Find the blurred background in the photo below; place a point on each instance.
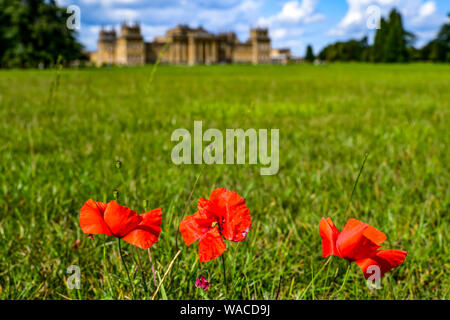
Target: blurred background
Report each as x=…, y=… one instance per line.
x=355, y=30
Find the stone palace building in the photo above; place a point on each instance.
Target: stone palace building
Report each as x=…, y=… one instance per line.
x=181, y=45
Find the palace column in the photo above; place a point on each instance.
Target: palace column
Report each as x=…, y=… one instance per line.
x=184, y=49
x=214, y=52
x=207, y=51
x=177, y=51
x=192, y=50
x=211, y=55
x=170, y=51
x=180, y=51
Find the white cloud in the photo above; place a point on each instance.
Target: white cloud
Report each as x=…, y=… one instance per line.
x=151, y=32
x=120, y=14
x=294, y=12
x=287, y=26
x=427, y=9
x=218, y=18
x=111, y=2
x=425, y=12
x=285, y=33
x=278, y=33
x=90, y=36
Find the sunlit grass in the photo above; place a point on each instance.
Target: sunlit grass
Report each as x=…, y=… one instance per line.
x=58, y=148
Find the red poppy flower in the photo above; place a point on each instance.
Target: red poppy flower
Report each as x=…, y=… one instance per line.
x=359, y=242
x=118, y=221
x=224, y=215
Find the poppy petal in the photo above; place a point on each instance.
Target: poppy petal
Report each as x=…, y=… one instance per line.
x=385, y=260
x=211, y=245
x=233, y=215
x=91, y=218
x=193, y=227
x=374, y=235
x=120, y=220
x=147, y=232
x=358, y=240
x=329, y=234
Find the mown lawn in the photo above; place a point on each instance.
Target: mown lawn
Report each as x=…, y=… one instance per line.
x=60, y=136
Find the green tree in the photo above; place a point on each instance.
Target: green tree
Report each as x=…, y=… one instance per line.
x=444, y=33
x=392, y=40
x=353, y=50
x=33, y=33
x=309, y=54
x=395, y=48
x=379, y=42
x=440, y=47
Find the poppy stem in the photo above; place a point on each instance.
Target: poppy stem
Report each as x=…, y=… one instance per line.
x=106, y=268
x=314, y=279
x=144, y=280
x=326, y=281
x=224, y=275
x=356, y=181
x=186, y=205
x=344, y=282
x=153, y=269
x=279, y=289
x=125, y=267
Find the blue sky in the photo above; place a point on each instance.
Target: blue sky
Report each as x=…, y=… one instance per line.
x=293, y=24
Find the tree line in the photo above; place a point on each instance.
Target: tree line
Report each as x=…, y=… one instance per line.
x=33, y=33
x=392, y=43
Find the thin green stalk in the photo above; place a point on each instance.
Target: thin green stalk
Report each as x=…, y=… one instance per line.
x=55, y=83
x=186, y=205
x=165, y=274
x=356, y=181
x=317, y=274
x=326, y=280
x=106, y=270
x=155, y=66
x=224, y=275
x=144, y=280
x=125, y=267
x=344, y=282
x=153, y=268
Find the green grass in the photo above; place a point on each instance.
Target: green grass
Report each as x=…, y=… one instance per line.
x=58, y=148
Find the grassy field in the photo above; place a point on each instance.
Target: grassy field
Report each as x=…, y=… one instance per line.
x=60, y=135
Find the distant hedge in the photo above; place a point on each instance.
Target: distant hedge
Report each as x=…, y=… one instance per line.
x=33, y=33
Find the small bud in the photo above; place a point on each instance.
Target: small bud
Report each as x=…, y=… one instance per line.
x=118, y=164
x=76, y=244
x=145, y=204
x=116, y=194
x=202, y=283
